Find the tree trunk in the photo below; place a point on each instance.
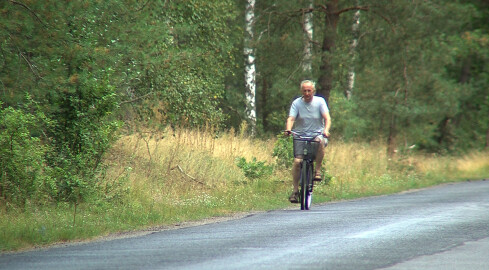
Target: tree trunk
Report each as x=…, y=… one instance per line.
x=250, y=70
x=264, y=100
x=391, y=140
x=353, y=47
x=308, y=35
x=487, y=136
x=444, y=127
x=326, y=69
x=465, y=74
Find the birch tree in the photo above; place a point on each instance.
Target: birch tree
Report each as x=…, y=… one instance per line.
x=308, y=35
x=250, y=70
x=353, y=47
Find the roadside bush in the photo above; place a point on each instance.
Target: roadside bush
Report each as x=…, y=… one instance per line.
x=84, y=131
x=21, y=157
x=284, y=151
x=57, y=158
x=254, y=169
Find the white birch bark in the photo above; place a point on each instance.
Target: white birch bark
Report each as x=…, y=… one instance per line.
x=250, y=71
x=353, y=47
x=308, y=35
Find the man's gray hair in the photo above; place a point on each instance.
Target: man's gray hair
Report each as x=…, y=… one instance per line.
x=310, y=82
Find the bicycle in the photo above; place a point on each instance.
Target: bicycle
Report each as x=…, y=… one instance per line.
x=305, y=147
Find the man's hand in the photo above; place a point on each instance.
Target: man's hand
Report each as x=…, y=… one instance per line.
x=326, y=133
x=287, y=132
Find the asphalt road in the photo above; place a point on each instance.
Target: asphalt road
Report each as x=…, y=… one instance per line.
x=445, y=227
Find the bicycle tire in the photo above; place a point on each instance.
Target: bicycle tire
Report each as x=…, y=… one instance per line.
x=303, y=185
x=305, y=182
x=309, y=187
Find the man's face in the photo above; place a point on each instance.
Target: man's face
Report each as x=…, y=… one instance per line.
x=307, y=92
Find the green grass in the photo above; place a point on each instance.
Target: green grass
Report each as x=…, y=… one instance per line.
x=159, y=179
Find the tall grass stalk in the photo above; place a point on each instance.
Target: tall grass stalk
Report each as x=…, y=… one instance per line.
x=161, y=178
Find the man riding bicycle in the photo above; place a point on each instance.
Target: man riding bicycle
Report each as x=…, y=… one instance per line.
x=309, y=116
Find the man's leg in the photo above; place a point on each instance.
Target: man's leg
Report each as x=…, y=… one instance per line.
x=296, y=170
x=319, y=157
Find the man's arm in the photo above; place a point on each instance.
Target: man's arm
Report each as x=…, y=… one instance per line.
x=327, y=123
x=289, y=125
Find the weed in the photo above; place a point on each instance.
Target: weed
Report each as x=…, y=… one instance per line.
x=254, y=169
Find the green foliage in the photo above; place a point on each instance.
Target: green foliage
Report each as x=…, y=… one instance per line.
x=408, y=84
x=284, y=151
x=254, y=169
x=84, y=131
x=21, y=157
x=187, y=52
x=168, y=60
x=65, y=164
x=278, y=59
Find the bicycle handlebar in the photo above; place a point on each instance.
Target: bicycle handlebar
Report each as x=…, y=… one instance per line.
x=301, y=137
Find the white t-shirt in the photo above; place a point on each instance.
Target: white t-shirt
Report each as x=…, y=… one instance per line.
x=308, y=116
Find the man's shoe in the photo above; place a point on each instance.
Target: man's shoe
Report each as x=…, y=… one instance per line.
x=294, y=197
x=318, y=177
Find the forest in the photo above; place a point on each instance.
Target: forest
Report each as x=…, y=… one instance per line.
x=411, y=74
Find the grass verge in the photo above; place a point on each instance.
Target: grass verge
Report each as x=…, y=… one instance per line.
x=162, y=178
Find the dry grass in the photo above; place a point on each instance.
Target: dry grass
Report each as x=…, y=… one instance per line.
x=474, y=162
x=161, y=178
x=351, y=161
x=358, y=169
x=177, y=164
x=471, y=166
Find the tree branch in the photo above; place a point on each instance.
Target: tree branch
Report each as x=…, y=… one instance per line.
x=30, y=65
x=385, y=19
x=190, y=177
x=365, y=8
x=136, y=99
x=323, y=8
x=26, y=7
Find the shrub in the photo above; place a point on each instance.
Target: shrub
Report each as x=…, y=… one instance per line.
x=84, y=131
x=284, y=151
x=254, y=169
x=21, y=157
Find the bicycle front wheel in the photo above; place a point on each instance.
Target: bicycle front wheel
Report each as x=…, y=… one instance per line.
x=309, y=186
x=306, y=181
